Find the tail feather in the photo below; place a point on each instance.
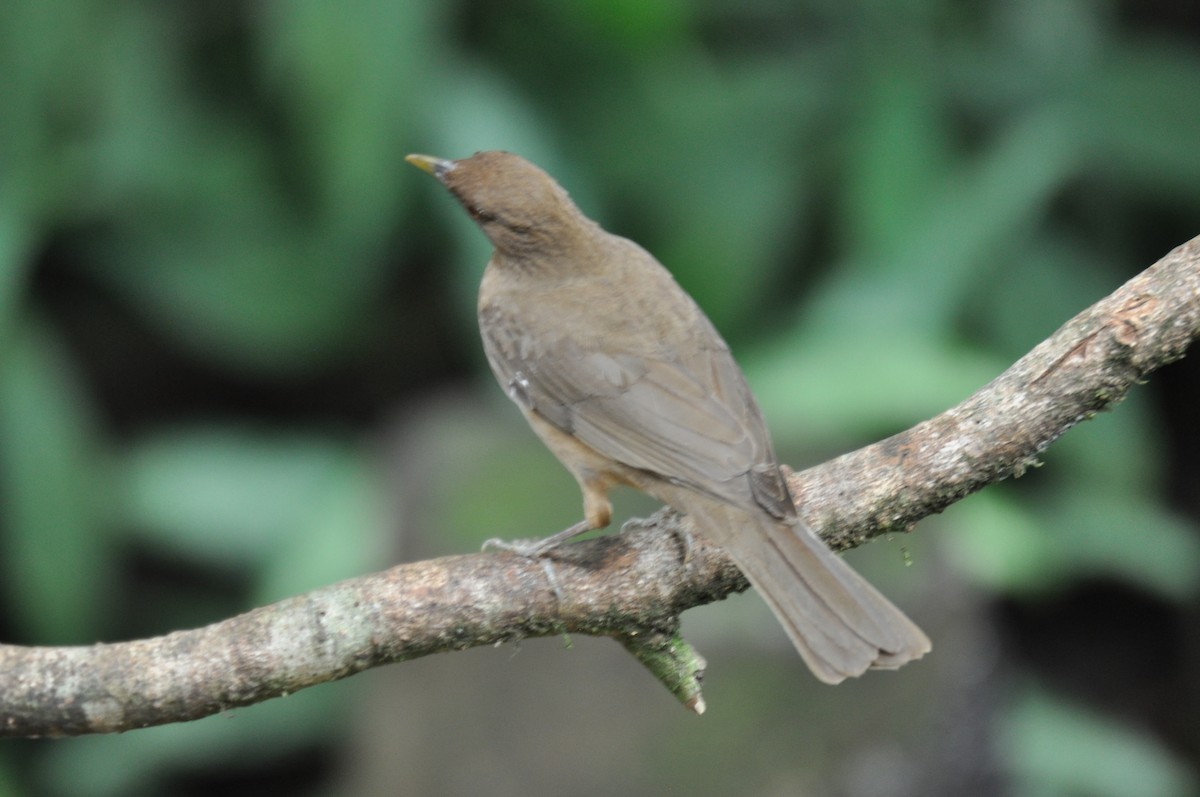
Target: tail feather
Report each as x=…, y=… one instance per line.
x=841, y=625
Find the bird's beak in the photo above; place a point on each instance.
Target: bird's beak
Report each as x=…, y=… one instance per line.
x=436, y=166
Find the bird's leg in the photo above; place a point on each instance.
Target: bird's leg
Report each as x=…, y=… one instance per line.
x=535, y=548
x=597, y=513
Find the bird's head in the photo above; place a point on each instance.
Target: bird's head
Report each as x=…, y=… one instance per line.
x=517, y=205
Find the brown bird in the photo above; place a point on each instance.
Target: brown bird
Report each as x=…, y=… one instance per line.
x=627, y=382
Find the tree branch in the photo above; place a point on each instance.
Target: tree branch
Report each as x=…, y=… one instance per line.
x=632, y=586
x=1085, y=367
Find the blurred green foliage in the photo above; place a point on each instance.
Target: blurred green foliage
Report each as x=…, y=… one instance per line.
x=218, y=281
x=1056, y=748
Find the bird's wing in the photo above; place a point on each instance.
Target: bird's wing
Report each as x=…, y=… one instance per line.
x=689, y=418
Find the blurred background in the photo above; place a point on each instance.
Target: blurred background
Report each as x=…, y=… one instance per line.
x=238, y=360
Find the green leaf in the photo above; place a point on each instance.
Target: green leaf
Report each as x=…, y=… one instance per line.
x=350, y=89
x=826, y=386
x=658, y=25
x=1138, y=117
x=1052, y=748
x=252, y=245
x=343, y=531
x=56, y=564
x=898, y=155
x=1032, y=550
x=308, y=509
x=970, y=222
x=1131, y=538
x=1001, y=544
x=1118, y=453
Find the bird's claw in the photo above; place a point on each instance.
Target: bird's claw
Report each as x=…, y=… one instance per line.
x=530, y=549
x=534, y=549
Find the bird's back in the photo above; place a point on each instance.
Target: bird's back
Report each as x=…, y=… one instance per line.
x=610, y=349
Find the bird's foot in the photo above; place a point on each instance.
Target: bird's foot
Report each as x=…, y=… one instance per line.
x=533, y=549
x=688, y=543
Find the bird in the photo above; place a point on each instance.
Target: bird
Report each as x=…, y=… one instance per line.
x=627, y=382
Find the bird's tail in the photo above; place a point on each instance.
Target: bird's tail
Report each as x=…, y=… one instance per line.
x=841, y=625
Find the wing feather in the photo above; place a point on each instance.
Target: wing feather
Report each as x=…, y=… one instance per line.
x=687, y=418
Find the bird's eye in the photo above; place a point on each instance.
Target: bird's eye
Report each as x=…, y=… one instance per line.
x=480, y=215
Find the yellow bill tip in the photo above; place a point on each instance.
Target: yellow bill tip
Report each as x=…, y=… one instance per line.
x=427, y=163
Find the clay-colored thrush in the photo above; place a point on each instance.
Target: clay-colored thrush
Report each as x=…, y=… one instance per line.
x=624, y=378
